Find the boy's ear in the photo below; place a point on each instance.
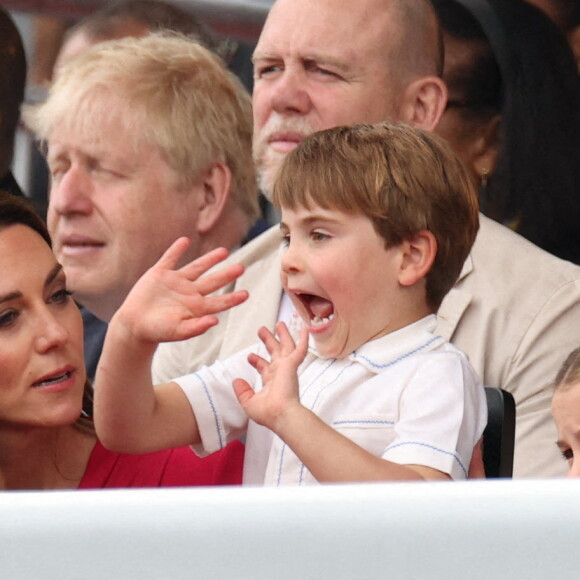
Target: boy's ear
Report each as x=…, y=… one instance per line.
x=215, y=191
x=424, y=102
x=418, y=255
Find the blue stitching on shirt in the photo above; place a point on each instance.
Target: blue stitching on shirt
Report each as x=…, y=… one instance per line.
x=213, y=409
x=281, y=462
x=303, y=467
x=312, y=382
x=397, y=360
x=331, y=362
x=331, y=383
x=430, y=447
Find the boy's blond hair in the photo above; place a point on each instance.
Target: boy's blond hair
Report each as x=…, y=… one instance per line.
x=176, y=95
x=404, y=179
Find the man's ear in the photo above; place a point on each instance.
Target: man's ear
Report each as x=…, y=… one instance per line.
x=418, y=255
x=216, y=183
x=424, y=102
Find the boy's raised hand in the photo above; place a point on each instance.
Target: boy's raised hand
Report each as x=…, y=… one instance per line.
x=279, y=394
x=169, y=303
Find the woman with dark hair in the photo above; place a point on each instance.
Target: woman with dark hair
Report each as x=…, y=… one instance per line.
x=514, y=116
x=47, y=439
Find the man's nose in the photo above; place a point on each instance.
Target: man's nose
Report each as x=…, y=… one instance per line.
x=290, y=93
x=71, y=192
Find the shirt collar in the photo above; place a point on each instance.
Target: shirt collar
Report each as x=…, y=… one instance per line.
x=388, y=350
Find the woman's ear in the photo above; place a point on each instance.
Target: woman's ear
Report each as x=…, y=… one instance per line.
x=215, y=191
x=424, y=102
x=418, y=255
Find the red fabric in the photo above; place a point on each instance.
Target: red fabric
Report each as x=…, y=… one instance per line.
x=169, y=468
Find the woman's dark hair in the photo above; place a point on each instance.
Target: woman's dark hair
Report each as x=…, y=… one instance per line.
x=523, y=69
x=19, y=211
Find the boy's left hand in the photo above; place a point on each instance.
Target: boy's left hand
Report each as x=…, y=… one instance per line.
x=279, y=394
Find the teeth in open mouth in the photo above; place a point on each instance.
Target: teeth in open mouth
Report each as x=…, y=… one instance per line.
x=52, y=381
x=320, y=321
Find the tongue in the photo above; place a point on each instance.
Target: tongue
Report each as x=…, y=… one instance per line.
x=320, y=307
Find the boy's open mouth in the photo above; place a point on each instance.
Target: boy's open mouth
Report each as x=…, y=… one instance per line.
x=320, y=310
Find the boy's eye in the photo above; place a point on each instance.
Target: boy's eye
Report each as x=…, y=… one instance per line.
x=7, y=318
x=286, y=240
x=318, y=236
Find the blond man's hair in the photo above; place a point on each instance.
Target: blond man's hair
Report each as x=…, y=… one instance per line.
x=175, y=95
x=404, y=179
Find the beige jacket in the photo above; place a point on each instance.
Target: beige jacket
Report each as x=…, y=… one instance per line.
x=515, y=311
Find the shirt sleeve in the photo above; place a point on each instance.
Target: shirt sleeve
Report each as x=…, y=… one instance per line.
x=220, y=417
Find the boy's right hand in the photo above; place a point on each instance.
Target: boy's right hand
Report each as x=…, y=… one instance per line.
x=169, y=303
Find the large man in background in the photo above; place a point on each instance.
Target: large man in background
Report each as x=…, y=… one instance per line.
x=515, y=309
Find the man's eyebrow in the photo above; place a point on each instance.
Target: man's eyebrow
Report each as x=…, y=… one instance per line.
x=325, y=60
x=322, y=59
x=263, y=56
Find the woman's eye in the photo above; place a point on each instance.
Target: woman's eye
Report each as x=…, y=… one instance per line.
x=61, y=296
x=286, y=240
x=7, y=318
x=568, y=454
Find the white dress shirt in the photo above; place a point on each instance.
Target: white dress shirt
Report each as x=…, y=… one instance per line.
x=409, y=397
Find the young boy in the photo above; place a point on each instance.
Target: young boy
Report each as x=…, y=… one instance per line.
x=377, y=221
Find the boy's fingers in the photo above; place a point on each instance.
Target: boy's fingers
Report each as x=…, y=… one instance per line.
x=195, y=326
x=172, y=255
x=270, y=341
x=215, y=304
x=212, y=282
x=197, y=267
x=286, y=341
x=257, y=362
x=243, y=390
x=302, y=346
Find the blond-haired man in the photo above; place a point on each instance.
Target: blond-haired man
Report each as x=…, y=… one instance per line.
x=147, y=139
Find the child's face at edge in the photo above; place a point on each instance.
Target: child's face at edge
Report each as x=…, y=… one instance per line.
x=340, y=277
x=566, y=412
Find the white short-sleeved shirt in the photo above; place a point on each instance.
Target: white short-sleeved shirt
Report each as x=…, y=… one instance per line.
x=409, y=397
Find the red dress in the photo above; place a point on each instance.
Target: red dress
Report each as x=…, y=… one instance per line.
x=168, y=468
